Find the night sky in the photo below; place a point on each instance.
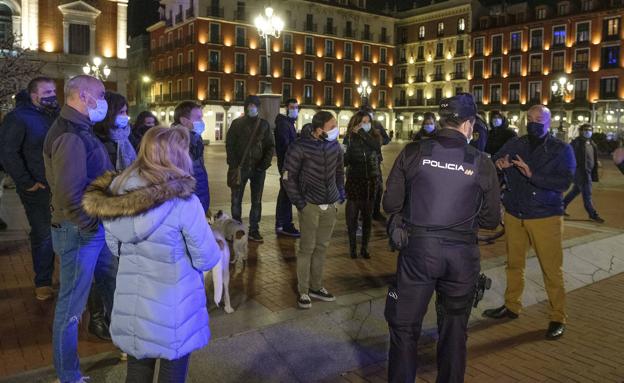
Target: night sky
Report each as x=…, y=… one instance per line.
x=141, y=14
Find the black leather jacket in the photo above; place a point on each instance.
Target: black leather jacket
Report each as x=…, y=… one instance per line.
x=362, y=155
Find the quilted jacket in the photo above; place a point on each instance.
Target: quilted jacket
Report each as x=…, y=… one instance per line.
x=164, y=243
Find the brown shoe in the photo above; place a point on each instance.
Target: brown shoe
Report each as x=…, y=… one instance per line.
x=44, y=293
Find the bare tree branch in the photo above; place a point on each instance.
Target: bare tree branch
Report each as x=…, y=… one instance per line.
x=18, y=66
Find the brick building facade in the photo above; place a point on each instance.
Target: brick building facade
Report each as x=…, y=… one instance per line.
x=67, y=34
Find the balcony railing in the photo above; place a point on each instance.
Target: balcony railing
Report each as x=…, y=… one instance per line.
x=330, y=30
x=438, y=77
x=215, y=40
x=307, y=101
x=190, y=13
x=416, y=102
x=309, y=76
x=242, y=42
x=419, y=78
x=240, y=15
x=215, y=11
x=167, y=97
x=400, y=80
x=348, y=79
x=367, y=36
x=309, y=27
x=384, y=39
x=214, y=95
x=215, y=67
x=287, y=73
x=328, y=101
x=348, y=102
x=179, y=18
x=580, y=66
x=458, y=75
x=240, y=70
x=189, y=39
x=350, y=33
x=329, y=76
x=158, y=98
x=400, y=102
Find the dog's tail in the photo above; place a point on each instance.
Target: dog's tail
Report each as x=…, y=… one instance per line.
x=217, y=281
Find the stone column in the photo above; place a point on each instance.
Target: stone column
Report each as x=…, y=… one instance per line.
x=269, y=107
x=122, y=29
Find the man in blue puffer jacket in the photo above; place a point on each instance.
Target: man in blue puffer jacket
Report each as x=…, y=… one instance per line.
x=537, y=168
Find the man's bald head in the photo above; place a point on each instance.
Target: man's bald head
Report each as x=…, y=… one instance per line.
x=539, y=113
x=81, y=92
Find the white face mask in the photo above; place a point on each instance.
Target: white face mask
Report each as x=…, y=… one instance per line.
x=587, y=134
x=293, y=113
x=252, y=112
x=496, y=122
x=99, y=112
x=332, y=134
x=366, y=126
x=121, y=121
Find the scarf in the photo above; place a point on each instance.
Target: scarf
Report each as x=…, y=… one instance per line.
x=125, y=151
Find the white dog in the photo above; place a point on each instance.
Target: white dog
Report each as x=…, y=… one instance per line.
x=233, y=231
x=221, y=274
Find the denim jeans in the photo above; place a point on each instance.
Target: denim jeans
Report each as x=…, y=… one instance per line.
x=256, y=184
x=37, y=208
x=582, y=184
x=83, y=255
x=283, y=210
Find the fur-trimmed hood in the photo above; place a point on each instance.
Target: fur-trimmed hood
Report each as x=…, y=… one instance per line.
x=135, y=197
x=138, y=209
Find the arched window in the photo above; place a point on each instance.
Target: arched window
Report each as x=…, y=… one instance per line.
x=6, y=23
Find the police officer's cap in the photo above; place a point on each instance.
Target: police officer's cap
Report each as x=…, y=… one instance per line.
x=459, y=107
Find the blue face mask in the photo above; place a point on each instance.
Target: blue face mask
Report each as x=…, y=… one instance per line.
x=587, y=134
x=198, y=127
x=366, y=127
x=98, y=113
x=121, y=121
x=252, y=112
x=496, y=122
x=429, y=128
x=293, y=113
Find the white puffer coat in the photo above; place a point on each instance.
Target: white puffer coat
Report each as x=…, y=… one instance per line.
x=164, y=244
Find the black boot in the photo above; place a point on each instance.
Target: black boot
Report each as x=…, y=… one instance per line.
x=352, y=226
x=98, y=322
x=366, y=231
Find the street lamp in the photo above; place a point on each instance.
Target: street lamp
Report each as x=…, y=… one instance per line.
x=562, y=88
x=95, y=71
x=364, y=90
x=269, y=26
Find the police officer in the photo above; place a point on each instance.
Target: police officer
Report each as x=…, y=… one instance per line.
x=440, y=191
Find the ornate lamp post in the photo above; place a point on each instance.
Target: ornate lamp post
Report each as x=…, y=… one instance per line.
x=561, y=89
x=364, y=90
x=268, y=26
x=95, y=71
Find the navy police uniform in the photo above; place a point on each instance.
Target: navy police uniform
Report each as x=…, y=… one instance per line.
x=440, y=191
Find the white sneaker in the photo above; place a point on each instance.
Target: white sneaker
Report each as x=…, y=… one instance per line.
x=304, y=301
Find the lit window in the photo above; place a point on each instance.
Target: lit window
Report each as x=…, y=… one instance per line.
x=461, y=24
x=440, y=28
x=421, y=32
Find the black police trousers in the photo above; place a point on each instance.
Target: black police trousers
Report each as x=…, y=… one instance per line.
x=450, y=268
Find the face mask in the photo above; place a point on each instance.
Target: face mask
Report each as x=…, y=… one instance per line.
x=429, y=128
x=587, y=134
x=121, y=121
x=50, y=102
x=497, y=122
x=252, y=112
x=293, y=113
x=536, y=129
x=99, y=113
x=198, y=127
x=332, y=134
x=366, y=127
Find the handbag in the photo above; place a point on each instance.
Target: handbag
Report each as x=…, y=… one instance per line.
x=234, y=173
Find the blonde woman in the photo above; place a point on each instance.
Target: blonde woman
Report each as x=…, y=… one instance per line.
x=156, y=226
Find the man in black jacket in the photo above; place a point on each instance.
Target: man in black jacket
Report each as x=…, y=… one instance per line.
x=21, y=147
x=439, y=192
x=500, y=132
x=188, y=115
x=252, y=134
x=586, y=154
x=538, y=168
x=285, y=134
x=314, y=180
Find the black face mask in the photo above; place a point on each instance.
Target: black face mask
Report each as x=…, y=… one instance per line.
x=536, y=129
x=50, y=102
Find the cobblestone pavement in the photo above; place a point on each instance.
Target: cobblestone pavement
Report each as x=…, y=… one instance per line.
x=514, y=351
x=268, y=278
